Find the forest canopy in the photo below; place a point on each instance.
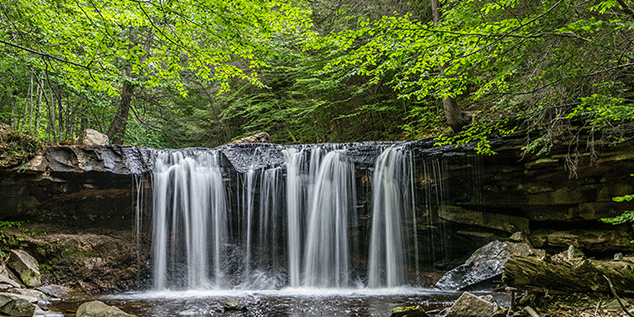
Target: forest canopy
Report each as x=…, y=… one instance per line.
x=165, y=73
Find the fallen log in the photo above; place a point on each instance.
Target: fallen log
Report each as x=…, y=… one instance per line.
x=576, y=275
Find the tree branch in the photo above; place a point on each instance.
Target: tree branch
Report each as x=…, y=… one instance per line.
x=618, y=299
x=43, y=54
x=625, y=8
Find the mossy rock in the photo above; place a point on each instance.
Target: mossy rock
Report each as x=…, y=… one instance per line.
x=409, y=311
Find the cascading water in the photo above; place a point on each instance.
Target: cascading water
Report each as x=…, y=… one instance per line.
x=189, y=221
x=295, y=196
x=294, y=225
x=392, y=202
x=331, y=212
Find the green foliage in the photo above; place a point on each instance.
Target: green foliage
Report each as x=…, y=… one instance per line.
x=627, y=216
x=479, y=133
x=9, y=242
x=547, y=63
x=205, y=72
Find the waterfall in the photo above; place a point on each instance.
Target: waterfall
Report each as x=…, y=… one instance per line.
x=290, y=224
x=249, y=207
x=331, y=213
x=295, y=187
x=189, y=221
x=271, y=218
x=434, y=200
x=392, y=201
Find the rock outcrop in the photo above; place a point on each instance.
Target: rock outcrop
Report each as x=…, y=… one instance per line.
x=93, y=189
x=484, y=264
x=13, y=305
x=26, y=266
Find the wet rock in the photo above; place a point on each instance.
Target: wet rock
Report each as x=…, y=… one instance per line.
x=232, y=304
x=91, y=137
x=484, y=264
x=26, y=266
x=99, y=309
x=18, y=307
x=409, y=311
x=52, y=290
x=469, y=305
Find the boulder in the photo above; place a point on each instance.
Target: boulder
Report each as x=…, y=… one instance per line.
x=91, y=137
x=99, y=309
x=261, y=137
x=28, y=298
x=233, y=305
x=469, y=305
x=26, y=266
x=484, y=264
x=409, y=311
x=18, y=307
x=7, y=283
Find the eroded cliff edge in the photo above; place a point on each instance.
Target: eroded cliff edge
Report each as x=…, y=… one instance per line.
x=80, y=204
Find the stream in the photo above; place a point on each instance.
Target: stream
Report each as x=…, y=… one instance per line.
x=291, y=302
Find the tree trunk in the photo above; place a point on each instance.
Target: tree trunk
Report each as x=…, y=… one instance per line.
x=456, y=118
x=26, y=105
x=60, y=114
x=13, y=109
x=38, y=114
x=51, y=116
x=116, y=132
x=577, y=276
x=117, y=129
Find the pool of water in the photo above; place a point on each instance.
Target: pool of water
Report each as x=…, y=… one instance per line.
x=290, y=302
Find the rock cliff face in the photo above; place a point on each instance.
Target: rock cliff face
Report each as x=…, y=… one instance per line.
x=79, y=186
x=541, y=196
x=86, y=189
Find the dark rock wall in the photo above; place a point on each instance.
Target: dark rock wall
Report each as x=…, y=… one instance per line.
x=478, y=198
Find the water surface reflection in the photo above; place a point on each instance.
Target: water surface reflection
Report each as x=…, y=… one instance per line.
x=288, y=302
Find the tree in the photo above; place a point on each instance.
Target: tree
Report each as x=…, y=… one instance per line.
x=548, y=63
x=456, y=119
x=99, y=45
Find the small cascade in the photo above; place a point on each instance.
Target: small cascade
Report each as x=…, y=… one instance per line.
x=248, y=197
x=433, y=202
x=392, y=202
x=302, y=169
x=295, y=197
x=189, y=221
x=271, y=237
x=332, y=212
